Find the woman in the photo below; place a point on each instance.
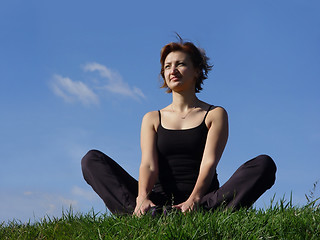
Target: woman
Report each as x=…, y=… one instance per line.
x=181, y=146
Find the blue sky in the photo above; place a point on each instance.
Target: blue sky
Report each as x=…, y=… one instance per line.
x=78, y=75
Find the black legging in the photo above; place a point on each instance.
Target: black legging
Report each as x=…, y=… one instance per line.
x=119, y=190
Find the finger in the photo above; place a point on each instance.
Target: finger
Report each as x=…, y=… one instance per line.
x=177, y=206
x=136, y=214
x=143, y=211
x=186, y=210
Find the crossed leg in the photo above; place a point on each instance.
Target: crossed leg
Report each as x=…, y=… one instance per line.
x=245, y=186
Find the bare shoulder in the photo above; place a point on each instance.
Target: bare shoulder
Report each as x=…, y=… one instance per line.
x=218, y=111
x=217, y=115
x=151, y=116
x=151, y=119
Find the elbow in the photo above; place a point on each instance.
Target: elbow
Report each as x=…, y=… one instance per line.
x=209, y=167
x=151, y=168
x=149, y=162
x=155, y=170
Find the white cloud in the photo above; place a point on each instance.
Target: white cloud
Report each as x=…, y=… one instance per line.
x=115, y=83
x=72, y=91
x=103, y=70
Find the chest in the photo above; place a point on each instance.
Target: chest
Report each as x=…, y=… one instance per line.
x=182, y=142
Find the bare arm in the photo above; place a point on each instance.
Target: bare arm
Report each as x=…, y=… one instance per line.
x=216, y=141
x=148, y=172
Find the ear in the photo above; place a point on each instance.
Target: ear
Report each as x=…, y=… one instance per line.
x=197, y=73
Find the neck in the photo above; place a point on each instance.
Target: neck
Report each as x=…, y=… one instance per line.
x=183, y=101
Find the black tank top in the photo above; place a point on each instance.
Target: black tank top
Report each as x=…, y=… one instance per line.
x=179, y=158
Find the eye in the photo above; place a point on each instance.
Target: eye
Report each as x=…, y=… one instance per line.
x=167, y=66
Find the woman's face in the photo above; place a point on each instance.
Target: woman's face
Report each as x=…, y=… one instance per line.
x=179, y=71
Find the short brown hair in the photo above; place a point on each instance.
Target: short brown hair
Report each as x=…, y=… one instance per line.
x=198, y=58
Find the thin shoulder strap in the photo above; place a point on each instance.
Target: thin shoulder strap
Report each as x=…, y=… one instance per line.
x=159, y=117
x=207, y=112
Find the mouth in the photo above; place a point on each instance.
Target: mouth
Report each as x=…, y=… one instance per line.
x=174, y=78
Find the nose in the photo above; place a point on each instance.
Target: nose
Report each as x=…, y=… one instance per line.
x=173, y=70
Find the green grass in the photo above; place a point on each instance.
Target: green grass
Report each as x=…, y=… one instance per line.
x=280, y=221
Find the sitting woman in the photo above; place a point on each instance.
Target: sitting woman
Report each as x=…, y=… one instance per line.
x=181, y=146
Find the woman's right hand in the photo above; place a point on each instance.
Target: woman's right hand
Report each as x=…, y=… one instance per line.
x=143, y=205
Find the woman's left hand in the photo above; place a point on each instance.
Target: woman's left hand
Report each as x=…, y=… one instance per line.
x=187, y=206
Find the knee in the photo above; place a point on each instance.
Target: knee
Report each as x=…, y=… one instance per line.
x=266, y=162
x=267, y=167
x=89, y=158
